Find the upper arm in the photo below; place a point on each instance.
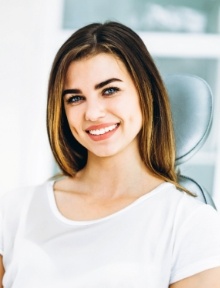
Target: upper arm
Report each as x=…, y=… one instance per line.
x=205, y=279
x=2, y=271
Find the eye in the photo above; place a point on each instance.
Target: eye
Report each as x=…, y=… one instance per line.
x=75, y=99
x=110, y=91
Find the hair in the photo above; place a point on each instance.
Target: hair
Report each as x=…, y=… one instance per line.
x=156, y=138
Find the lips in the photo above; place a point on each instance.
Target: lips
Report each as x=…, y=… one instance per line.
x=101, y=129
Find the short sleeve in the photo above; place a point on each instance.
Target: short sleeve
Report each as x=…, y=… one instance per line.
x=197, y=244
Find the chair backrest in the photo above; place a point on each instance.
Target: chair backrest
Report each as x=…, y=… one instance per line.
x=192, y=111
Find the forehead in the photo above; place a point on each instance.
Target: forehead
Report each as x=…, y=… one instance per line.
x=96, y=68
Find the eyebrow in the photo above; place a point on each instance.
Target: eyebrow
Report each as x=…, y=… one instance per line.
x=106, y=82
x=97, y=86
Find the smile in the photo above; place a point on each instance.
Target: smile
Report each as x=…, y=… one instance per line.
x=102, y=130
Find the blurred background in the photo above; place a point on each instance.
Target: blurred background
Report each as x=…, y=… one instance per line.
x=183, y=36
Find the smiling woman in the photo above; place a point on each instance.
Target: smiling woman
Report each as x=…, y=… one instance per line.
x=117, y=217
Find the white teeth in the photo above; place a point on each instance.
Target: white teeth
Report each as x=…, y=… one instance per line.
x=103, y=130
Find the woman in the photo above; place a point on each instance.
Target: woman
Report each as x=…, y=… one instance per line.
x=116, y=218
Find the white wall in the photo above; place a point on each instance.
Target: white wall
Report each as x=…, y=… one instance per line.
x=27, y=32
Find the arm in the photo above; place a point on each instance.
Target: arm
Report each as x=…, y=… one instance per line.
x=205, y=279
x=2, y=270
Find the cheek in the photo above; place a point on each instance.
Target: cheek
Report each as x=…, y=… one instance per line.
x=74, y=128
x=129, y=110
x=135, y=111
x=73, y=117
x=136, y=120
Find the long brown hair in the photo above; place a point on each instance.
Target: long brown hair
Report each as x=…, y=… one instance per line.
x=156, y=138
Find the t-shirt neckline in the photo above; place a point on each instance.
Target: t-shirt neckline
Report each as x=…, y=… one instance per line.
x=62, y=218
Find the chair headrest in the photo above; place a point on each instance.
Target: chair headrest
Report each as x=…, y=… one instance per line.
x=192, y=111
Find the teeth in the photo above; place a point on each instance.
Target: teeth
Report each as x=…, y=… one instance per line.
x=103, y=130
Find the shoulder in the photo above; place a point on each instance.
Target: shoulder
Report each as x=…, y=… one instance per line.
x=15, y=200
x=168, y=198
x=185, y=214
x=13, y=210
x=189, y=210
x=185, y=203
x=196, y=238
x=194, y=233
x=192, y=212
x=67, y=184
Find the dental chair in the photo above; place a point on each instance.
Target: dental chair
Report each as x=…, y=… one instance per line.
x=192, y=111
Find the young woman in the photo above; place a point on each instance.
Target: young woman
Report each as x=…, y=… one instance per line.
x=117, y=217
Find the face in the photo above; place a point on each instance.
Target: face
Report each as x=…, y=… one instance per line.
x=102, y=105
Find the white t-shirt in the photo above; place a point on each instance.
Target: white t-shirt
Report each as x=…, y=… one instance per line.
x=164, y=236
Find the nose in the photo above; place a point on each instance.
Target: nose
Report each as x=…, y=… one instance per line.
x=94, y=110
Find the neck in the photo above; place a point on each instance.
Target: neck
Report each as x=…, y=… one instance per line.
x=124, y=173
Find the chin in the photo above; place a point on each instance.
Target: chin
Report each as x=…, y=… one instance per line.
x=104, y=154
